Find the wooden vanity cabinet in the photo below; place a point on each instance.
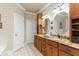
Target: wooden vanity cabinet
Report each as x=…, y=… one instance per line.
x=35, y=41
x=67, y=51
x=74, y=10
x=51, y=49
x=61, y=53
x=74, y=22
x=39, y=23
x=44, y=46
x=38, y=42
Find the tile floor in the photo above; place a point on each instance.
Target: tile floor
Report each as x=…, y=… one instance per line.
x=27, y=50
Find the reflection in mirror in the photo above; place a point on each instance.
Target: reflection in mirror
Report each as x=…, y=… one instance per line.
x=47, y=26
x=61, y=23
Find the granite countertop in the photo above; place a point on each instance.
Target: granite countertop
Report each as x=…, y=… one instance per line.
x=62, y=41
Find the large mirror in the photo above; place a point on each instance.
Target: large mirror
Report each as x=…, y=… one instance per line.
x=61, y=23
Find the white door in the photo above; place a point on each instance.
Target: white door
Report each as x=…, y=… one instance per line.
x=18, y=31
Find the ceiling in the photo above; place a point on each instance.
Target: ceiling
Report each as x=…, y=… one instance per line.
x=33, y=7
x=36, y=7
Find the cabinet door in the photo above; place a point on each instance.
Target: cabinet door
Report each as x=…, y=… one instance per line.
x=51, y=51
x=39, y=44
x=44, y=47
x=71, y=9
x=35, y=41
x=74, y=10
x=39, y=23
x=61, y=53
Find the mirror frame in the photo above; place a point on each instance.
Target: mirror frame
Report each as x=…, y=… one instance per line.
x=56, y=15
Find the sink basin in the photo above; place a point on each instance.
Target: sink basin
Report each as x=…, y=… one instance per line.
x=51, y=37
x=65, y=41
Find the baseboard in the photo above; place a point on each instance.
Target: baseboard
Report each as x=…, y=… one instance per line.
x=27, y=42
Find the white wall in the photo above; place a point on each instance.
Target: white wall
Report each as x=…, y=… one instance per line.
x=30, y=27
x=6, y=33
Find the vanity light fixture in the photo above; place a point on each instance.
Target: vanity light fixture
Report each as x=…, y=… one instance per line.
x=59, y=8
x=56, y=9
x=46, y=16
x=63, y=6
x=43, y=16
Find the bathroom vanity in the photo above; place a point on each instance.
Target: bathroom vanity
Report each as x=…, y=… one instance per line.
x=65, y=24
x=55, y=46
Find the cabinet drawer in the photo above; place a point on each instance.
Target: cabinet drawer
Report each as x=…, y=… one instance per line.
x=61, y=53
x=69, y=50
x=51, y=43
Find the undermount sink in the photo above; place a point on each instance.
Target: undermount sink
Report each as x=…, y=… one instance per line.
x=65, y=41
x=53, y=37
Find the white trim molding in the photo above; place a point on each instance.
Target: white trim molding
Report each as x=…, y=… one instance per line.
x=27, y=12
x=30, y=13
x=18, y=5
